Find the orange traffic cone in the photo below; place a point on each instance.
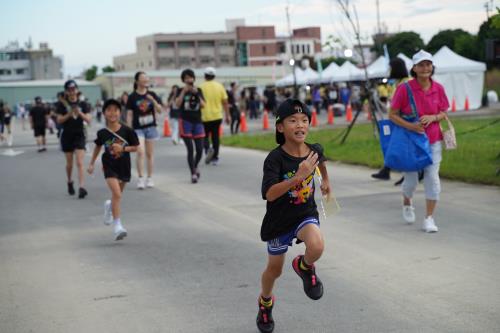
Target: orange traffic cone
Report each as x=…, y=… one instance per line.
x=453, y=105
x=330, y=115
x=466, y=106
x=166, y=128
x=221, y=130
x=314, y=118
x=265, y=121
x=348, y=113
x=368, y=114
x=243, y=122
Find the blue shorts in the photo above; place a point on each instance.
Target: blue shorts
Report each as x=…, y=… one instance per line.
x=280, y=244
x=191, y=130
x=148, y=133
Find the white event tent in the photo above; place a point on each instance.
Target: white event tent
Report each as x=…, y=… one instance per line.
x=303, y=76
x=348, y=72
x=461, y=77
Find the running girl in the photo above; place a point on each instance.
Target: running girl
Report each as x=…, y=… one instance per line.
x=118, y=141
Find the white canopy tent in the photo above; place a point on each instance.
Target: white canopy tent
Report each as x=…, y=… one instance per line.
x=379, y=68
x=348, y=72
x=328, y=72
x=303, y=76
x=461, y=77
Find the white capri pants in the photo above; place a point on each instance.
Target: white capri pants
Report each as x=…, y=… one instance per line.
x=432, y=184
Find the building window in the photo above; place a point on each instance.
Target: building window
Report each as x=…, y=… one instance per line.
x=184, y=61
x=142, y=64
x=185, y=45
x=165, y=45
x=281, y=48
x=226, y=43
x=20, y=71
x=308, y=49
x=225, y=59
x=206, y=43
x=264, y=32
x=264, y=49
x=206, y=60
x=303, y=49
x=166, y=62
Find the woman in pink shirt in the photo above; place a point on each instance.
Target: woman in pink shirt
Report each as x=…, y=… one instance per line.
x=432, y=103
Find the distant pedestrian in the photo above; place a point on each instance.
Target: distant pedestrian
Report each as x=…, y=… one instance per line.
x=291, y=212
x=123, y=102
x=7, y=123
x=234, y=109
x=174, y=113
x=98, y=110
x=21, y=109
x=71, y=114
x=142, y=106
x=39, y=118
x=189, y=102
x=431, y=105
x=119, y=141
x=216, y=107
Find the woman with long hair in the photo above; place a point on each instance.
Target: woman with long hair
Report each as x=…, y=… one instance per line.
x=142, y=106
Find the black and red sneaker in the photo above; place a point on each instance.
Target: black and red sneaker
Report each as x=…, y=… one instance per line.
x=265, y=322
x=312, y=284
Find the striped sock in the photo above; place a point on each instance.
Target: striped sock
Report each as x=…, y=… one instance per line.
x=266, y=301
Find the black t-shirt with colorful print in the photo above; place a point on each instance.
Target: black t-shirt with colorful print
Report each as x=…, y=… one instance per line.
x=143, y=109
x=190, y=109
x=125, y=136
x=288, y=211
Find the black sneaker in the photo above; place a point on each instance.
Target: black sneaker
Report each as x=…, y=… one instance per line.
x=383, y=174
x=82, y=193
x=399, y=182
x=265, y=322
x=312, y=284
x=71, y=189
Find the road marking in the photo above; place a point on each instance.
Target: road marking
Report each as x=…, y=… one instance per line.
x=12, y=152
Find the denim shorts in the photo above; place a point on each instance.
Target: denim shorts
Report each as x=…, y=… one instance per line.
x=280, y=244
x=148, y=133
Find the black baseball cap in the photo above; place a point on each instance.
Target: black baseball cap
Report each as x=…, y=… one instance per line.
x=286, y=109
x=109, y=102
x=70, y=84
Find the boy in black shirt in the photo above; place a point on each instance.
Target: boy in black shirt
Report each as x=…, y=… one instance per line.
x=118, y=141
x=288, y=186
x=38, y=119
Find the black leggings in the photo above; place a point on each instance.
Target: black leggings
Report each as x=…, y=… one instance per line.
x=194, y=160
x=235, y=122
x=212, y=130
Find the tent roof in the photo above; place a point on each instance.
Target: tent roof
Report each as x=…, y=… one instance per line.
x=408, y=61
x=448, y=61
x=348, y=72
x=379, y=68
x=303, y=76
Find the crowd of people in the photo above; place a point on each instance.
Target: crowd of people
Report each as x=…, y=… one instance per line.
x=288, y=184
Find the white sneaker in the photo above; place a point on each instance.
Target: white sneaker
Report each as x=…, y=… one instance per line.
x=429, y=225
x=108, y=213
x=120, y=232
x=409, y=214
x=149, y=182
x=140, y=183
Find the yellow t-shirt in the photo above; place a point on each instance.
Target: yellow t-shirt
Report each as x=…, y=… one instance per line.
x=214, y=94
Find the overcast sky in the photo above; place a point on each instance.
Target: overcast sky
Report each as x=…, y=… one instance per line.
x=93, y=31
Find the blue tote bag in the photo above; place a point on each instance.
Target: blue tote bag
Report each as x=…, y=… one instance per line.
x=407, y=150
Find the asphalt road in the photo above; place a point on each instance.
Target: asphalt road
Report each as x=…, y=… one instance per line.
x=193, y=257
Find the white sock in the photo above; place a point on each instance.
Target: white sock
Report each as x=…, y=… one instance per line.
x=117, y=222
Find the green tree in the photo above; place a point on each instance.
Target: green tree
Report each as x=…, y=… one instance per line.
x=407, y=42
x=445, y=37
x=467, y=46
x=108, y=69
x=487, y=30
x=91, y=73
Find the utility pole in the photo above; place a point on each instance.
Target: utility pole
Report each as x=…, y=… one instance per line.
x=294, y=65
x=379, y=31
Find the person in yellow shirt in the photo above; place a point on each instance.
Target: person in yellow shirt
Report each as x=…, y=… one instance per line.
x=212, y=113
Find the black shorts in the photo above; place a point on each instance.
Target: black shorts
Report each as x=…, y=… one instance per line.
x=121, y=175
x=39, y=131
x=7, y=120
x=72, y=141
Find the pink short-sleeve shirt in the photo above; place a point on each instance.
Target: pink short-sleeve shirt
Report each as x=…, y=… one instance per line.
x=430, y=102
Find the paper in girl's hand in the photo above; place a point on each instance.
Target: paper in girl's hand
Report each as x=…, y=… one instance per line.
x=327, y=204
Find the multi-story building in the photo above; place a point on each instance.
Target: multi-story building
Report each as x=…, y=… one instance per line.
x=239, y=45
x=18, y=64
